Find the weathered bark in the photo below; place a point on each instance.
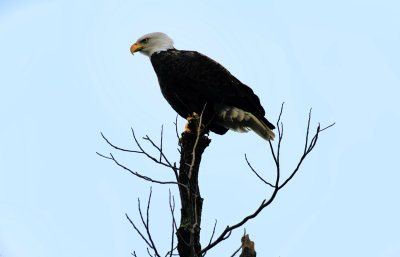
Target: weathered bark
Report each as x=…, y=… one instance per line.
x=247, y=247
x=193, y=144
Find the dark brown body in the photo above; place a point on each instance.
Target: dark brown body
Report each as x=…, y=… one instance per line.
x=189, y=81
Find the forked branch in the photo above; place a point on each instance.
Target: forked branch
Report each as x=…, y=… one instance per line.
x=145, y=222
x=192, y=144
x=162, y=160
x=309, y=146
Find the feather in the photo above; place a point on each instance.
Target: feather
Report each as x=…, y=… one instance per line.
x=241, y=121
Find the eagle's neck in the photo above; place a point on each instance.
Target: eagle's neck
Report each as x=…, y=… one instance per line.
x=161, y=50
x=158, y=45
x=159, y=58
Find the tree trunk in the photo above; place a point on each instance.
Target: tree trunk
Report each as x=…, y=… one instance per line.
x=193, y=144
x=247, y=247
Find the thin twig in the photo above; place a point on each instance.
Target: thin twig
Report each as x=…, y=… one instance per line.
x=279, y=126
x=135, y=151
x=241, y=245
x=142, y=176
x=273, y=152
x=213, y=232
x=308, y=149
x=146, y=223
x=173, y=214
x=137, y=230
x=148, y=155
x=176, y=127
x=308, y=130
x=148, y=208
x=171, y=253
x=327, y=127
x=237, y=250
x=173, y=167
x=279, y=142
x=280, y=113
x=118, y=148
x=148, y=251
x=172, y=209
x=104, y=156
x=255, y=172
x=198, y=129
x=212, y=236
x=161, y=141
x=177, y=134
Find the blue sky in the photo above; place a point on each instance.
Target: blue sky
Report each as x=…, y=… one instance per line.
x=66, y=74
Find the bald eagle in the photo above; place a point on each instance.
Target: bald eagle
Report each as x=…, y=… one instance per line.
x=192, y=82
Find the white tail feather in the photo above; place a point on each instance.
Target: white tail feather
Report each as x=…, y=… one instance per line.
x=241, y=121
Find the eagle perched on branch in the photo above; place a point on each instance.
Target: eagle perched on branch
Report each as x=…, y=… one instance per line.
x=192, y=82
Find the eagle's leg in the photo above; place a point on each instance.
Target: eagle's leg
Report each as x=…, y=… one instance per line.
x=192, y=123
x=187, y=129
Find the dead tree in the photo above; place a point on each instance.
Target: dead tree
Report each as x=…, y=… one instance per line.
x=192, y=143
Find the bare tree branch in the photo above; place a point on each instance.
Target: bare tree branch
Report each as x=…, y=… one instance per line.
x=213, y=232
x=193, y=143
x=173, y=167
x=142, y=151
x=212, y=236
x=228, y=230
x=276, y=156
x=102, y=155
x=149, y=240
x=161, y=141
x=118, y=148
x=172, y=209
x=255, y=172
x=140, y=175
x=147, y=225
x=148, y=251
x=137, y=230
x=237, y=251
x=176, y=127
x=148, y=155
x=308, y=131
x=241, y=245
x=307, y=148
x=177, y=134
x=327, y=127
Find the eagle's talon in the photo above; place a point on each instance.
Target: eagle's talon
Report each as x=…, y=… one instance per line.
x=189, y=124
x=187, y=129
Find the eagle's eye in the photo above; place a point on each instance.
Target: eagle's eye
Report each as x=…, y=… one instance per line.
x=144, y=40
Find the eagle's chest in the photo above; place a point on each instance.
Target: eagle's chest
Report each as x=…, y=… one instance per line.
x=177, y=88
x=171, y=79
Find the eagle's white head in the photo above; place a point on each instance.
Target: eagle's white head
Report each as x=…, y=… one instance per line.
x=152, y=43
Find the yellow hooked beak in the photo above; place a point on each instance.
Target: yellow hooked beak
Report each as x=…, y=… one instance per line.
x=136, y=47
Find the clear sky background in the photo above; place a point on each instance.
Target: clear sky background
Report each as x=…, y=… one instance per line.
x=66, y=74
